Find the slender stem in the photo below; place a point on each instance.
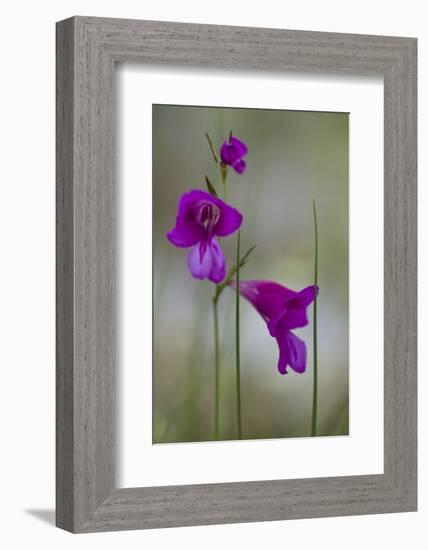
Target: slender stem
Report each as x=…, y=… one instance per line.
x=224, y=182
x=215, y=311
x=238, y=351
x=315, y=387
x=216, y=374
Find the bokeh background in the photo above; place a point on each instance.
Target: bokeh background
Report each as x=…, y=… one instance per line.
x=294, y=156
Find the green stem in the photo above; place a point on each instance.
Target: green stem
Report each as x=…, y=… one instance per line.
x=215, y=311
x=238, y=353
x=315, y=386
x=216, y=373
x=223, y=173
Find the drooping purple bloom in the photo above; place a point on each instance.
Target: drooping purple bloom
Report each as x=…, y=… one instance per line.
x=283, y=310
x=200, y=219
x=231, y=153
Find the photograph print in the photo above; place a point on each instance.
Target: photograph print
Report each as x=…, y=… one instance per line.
x=250, y=274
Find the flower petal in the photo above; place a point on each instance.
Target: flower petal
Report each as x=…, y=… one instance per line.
x=230, y=219
x=189, y=200
x=228, y=153
x=292, y=318
x=199, y=262
x=295, y=315
x=268, y=298
x=206, y=261
x=218, y=270
x=239, y=166
x=185, y=233
x=292, y=352
x=231, y=153
x=306, y=296
x=240, y=146
x=187, y=230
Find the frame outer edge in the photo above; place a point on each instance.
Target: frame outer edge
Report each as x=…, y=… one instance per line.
x=400, y=315
x=65, y=109
x=94, y=273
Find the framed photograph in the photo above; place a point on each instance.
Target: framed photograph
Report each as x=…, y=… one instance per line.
x=236, y=274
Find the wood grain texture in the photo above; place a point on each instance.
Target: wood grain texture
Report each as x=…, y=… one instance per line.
x=64, y=277
x=87, y=50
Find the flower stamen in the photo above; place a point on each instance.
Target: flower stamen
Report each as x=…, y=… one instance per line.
x=207, y=215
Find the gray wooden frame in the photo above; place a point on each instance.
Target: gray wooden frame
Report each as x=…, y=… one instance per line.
x=87, y=50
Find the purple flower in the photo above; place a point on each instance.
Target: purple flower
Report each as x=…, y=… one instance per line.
x=200, y=218
x=231, y=153
x=282, y=309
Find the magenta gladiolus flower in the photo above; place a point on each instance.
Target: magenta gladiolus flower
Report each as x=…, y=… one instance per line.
x=201, y=217
x=283, y=310
x=231, y=153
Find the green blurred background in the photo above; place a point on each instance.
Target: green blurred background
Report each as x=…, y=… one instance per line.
x=293, y=156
